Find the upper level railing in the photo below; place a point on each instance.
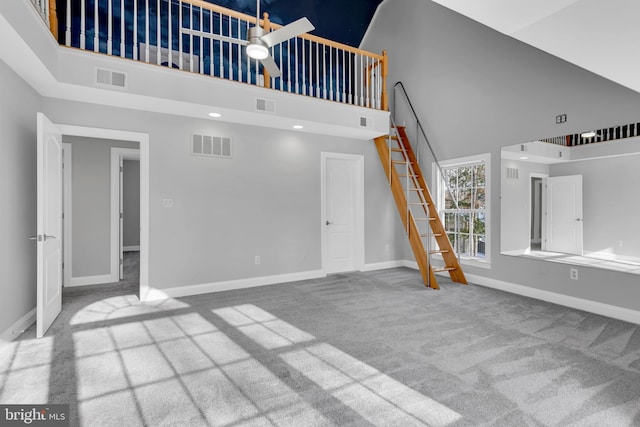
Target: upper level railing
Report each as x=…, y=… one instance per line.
x=169, y=33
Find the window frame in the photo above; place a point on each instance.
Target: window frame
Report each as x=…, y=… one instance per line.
x=484, y=262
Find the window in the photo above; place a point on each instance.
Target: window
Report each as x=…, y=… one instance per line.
x=467, y=225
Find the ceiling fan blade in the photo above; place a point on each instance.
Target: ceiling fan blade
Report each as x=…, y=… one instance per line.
x=296, y=28
x=271, y=66
x=213, y=36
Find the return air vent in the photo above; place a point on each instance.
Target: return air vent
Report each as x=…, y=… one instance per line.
x=210, y=146
x=363, y=122
x=265, y=105
x=511, y=173
x=110, y=78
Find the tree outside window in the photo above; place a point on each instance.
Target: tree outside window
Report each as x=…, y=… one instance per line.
x=466, y=226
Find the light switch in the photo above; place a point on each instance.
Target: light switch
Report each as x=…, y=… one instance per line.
x=167, y=203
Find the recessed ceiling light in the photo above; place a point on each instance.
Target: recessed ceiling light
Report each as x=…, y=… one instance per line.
x=215, y=115
x=523, y=158
x=298, y=127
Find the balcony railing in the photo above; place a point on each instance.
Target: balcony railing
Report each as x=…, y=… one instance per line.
x=170, y=33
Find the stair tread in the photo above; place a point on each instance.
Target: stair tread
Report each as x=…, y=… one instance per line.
x=437, y=270
x=439, y=251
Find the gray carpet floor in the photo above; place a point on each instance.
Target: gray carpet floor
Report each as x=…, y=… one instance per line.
x=355, y=349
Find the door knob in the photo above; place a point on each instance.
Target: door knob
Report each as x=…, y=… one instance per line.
x=46, y=236
x=328, y=223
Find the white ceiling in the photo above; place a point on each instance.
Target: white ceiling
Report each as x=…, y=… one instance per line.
x=602, y=36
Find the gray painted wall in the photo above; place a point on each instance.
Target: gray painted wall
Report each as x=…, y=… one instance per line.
x=264, y=201
x=19, y=104
x=91, y=204
x=477, y=90
x=610, y=203
x=131, y=203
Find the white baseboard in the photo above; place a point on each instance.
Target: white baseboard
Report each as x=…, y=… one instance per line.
x=603, y=309
x=615, y=312
x=131, y=248
x=16, y=329
x=92, y=280
x=158, y=294
x=383, y=265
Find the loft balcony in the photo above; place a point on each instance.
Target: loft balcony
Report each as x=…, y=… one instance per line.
x=128, y=44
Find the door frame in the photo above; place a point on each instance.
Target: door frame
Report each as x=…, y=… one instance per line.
x=359, y=248
x=118, y=155
x=143, y=140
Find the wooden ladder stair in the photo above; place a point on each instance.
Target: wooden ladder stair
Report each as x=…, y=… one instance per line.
x=417, y=211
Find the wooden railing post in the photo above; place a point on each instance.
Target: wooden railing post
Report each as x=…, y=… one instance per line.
x=53, y=19
x=385, y=70
x=267, y=28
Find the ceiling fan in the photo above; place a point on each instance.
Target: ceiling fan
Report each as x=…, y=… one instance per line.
x=259, y=42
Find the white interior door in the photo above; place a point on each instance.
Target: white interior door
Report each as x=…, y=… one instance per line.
x=341, y=214
x=49, y=224
x=563, y=228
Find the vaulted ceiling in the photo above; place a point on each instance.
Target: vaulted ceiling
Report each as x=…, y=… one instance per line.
x=602, y=36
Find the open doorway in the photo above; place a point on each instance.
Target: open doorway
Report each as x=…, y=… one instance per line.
x=535, y=235
x=53, y=223
x=94, y=247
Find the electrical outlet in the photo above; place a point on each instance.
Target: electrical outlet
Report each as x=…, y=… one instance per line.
x=573, y=274
x=257, y=259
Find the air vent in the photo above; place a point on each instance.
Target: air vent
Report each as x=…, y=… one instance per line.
x=363, y=122
x=110, y=78
x=511, y=173
x=265, y=105
x=210, y=146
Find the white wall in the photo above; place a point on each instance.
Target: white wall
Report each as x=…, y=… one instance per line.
x=610, y=203
x=477, y=90
x=18, y=107
x=91, y=199
x=264, y=201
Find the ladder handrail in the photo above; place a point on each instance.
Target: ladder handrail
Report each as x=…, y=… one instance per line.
x=421, y=196
x=435, y=158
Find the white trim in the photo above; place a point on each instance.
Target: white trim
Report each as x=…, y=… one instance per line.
x=358, y=159
x=205, y=288
x=91, y=280
x=600, y=308
x=595, y=307
x=23, y=323
x=384, y=265
x=67, y=241
x=143, y=140
x=130, y=248
x=439, y=198
x=117, y=156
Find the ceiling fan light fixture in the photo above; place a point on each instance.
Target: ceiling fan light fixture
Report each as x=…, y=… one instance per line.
x=257, y=51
